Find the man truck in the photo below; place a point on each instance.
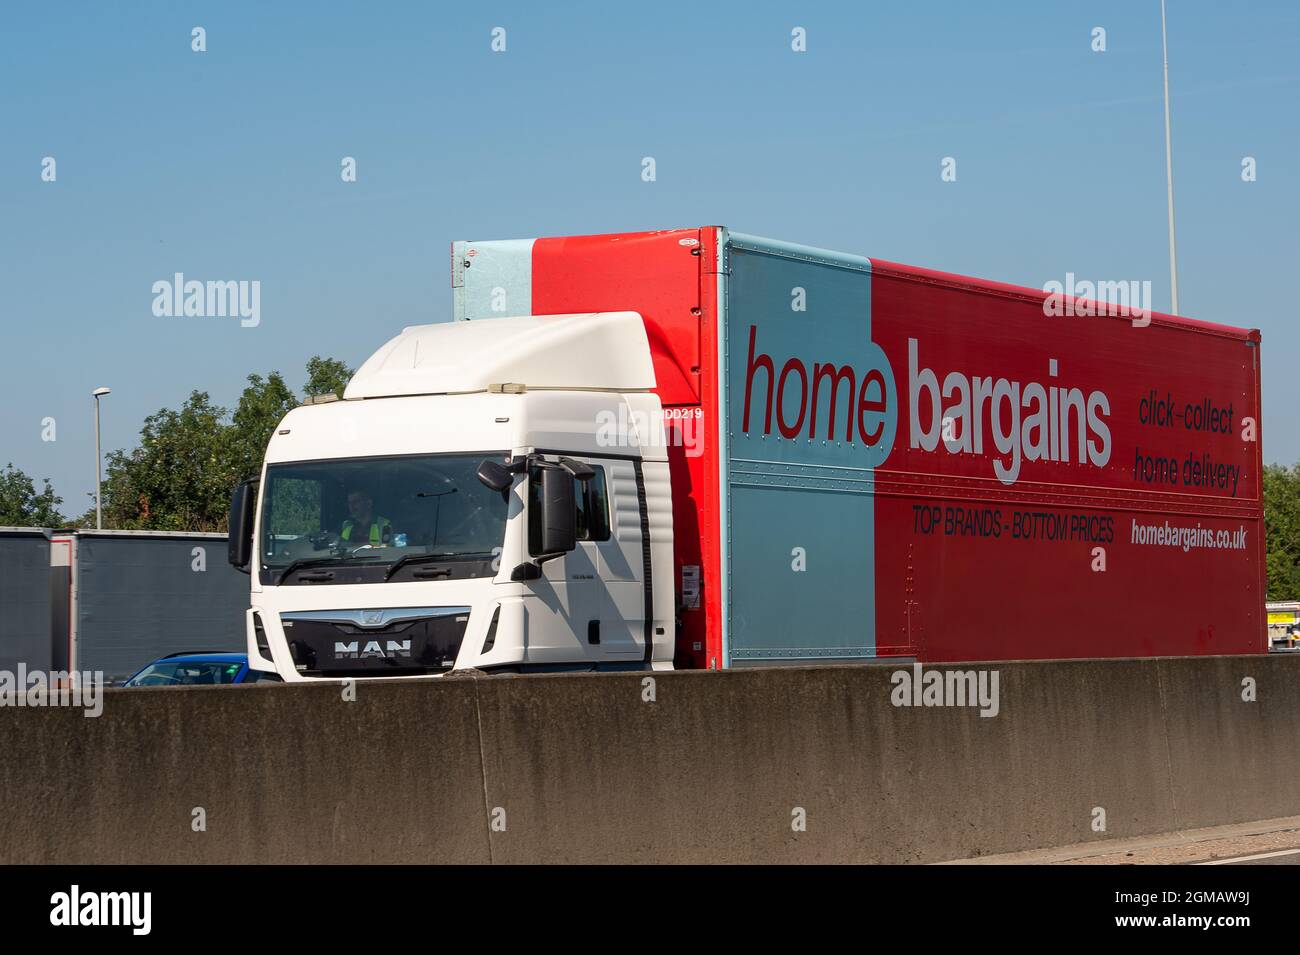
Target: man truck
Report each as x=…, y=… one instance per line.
x=695, y=448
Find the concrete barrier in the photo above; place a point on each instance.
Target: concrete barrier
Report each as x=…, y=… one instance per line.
x=719, y=767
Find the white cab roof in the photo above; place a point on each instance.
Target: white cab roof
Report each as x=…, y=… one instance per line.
x=592, y=351
x=576, y=422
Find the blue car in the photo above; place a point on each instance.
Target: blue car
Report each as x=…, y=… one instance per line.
x=200, y=669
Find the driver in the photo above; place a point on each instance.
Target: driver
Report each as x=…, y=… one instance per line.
x=363, y=526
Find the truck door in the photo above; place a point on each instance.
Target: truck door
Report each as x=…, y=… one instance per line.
x=613, y=523
x=596, y=592
x=568, y=591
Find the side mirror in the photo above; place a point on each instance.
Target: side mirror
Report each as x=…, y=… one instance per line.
x=558, y=517
x=494, y=474
x=240, y=543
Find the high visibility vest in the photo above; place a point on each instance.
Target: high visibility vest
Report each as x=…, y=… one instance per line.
x=376, y=529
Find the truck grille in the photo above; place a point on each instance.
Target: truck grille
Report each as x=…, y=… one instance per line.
x=394, y=641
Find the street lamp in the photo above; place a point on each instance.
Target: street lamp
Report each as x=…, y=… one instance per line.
x=1169, y=173
x=99, y=514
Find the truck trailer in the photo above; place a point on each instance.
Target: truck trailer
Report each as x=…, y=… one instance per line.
x=110, y=601
x=696, y=448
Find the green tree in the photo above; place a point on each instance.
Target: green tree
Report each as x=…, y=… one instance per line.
x=1282, y=531
x=326, y=376
x=22, y=506
x=261, y=407
x=181, y=475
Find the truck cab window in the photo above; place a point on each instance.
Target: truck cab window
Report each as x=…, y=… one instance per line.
x=394, y=513
x=591, y=500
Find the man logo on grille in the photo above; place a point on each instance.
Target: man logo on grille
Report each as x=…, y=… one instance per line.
x=353, y=650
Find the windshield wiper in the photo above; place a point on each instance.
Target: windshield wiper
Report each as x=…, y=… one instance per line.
x=314, y=562
x=431, y=558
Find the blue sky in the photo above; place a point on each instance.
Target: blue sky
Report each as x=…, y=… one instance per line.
x=225, y=165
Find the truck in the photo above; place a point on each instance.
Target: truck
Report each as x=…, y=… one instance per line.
x=1283, y=623
x=696, y=448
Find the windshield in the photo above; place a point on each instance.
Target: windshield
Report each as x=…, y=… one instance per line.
x=173, y=673
x=376, y=511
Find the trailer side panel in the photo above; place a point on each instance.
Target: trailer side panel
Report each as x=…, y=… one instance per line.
x=929, y=466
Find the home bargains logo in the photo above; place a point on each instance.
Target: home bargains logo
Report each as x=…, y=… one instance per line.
x=832, y=412
x=819, y=411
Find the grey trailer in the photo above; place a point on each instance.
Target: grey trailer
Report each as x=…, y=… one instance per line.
x=139, y=595
x=29, y=592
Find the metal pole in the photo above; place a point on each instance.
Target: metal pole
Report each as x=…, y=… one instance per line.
x=99, y=513
x=1169, y=172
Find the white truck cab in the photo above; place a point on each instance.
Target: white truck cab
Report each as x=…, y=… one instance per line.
x=491, y=494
